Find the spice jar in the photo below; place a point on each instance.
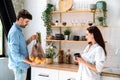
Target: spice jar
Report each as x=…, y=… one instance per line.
x=60, y=56
x=68, y=57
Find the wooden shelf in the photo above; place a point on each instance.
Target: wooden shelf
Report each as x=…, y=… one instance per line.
x=78, y=26
x=71, y=11
x=68, y=26
x=61, y=27
x=67, y=41
x=64, y=41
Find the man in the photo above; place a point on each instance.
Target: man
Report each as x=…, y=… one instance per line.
x=17, y=46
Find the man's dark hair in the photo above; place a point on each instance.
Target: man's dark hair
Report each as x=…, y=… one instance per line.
x=24, y=14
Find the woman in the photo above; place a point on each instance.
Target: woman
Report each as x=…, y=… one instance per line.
x=92, y=60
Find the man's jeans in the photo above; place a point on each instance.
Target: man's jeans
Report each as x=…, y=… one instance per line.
x=20, y=74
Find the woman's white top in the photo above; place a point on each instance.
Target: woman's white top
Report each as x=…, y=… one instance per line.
x=96, y=56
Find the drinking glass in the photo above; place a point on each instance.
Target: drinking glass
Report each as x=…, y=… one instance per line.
x=90, y=23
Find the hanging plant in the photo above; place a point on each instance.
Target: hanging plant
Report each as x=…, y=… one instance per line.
x=102, y=5
x=101, y=21
x=47, y=18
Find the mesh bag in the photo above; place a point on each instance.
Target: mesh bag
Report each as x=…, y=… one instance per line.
x=37, y=50
x=37, y=54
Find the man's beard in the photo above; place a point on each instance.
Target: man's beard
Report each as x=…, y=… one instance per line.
x=23, y=26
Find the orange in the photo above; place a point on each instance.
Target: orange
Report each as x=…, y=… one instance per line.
x=32, y=58
x=37, y=60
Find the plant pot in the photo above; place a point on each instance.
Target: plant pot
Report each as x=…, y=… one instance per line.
x=66, y=37
x=49, y=60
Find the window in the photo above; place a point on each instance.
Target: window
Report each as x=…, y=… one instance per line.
x=7, y=17
x=1, y=38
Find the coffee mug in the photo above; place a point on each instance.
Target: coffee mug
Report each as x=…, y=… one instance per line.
x=77, y=55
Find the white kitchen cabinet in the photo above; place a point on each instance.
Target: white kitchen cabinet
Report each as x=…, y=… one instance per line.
x=51, y=74
x=109, y=78
x=43, y=74
x=67, y=75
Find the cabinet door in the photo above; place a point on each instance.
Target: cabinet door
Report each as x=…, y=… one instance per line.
x=43, y=74
x=67, y=75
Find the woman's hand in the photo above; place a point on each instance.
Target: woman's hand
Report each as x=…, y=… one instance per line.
x=80, y=60
x=89, y=65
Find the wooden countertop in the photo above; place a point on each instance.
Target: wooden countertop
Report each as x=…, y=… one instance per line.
x=110, y=74
x=72, y=67
x=66, y=67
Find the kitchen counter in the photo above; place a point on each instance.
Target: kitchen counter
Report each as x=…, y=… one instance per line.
x=74, y=68
x=66, y=67
x=111, y=72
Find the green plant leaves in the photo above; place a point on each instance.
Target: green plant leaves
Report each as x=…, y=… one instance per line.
x=47, y=18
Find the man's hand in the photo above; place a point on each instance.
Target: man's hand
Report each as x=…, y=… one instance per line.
x=33, y=37
x=33, y=64
x=29, y=62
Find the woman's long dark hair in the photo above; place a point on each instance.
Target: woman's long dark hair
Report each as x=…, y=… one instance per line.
x=97, y=36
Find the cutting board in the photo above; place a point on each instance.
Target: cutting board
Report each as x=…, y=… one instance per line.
x=65, y=5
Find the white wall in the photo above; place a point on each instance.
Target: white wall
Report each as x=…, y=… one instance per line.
x=35, y=7
x=110, y=33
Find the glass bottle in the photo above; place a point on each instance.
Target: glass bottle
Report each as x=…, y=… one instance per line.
x=60, y=56
x=68, y=57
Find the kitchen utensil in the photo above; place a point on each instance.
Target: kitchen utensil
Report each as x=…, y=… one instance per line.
x=65, y=5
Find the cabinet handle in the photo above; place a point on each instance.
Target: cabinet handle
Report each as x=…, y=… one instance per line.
x=43, y=75
x=71, y=79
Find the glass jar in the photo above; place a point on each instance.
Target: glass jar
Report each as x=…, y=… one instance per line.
x=60, y=56
x=68, y=57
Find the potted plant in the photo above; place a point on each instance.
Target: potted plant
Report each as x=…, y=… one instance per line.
x=47, y=18
x=67, y=33
x=102, y=6
x=101, y=21
x=50, y=53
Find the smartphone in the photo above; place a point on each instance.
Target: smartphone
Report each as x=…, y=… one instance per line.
x=77, y=55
